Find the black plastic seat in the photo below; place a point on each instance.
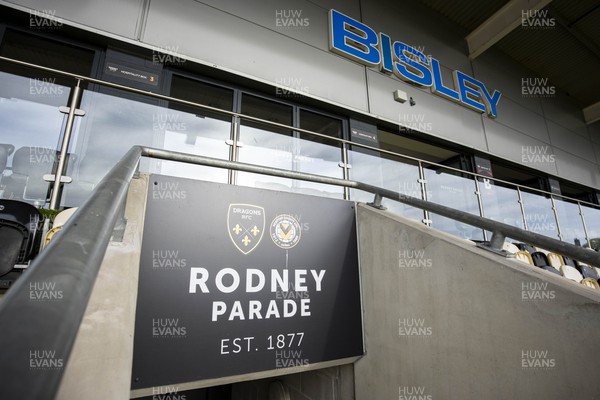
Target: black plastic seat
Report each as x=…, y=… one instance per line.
x=588, y=272
x=570, y=262
x=19, y=222
x=539, y=259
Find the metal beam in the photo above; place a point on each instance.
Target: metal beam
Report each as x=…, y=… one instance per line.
x=591, y=113
x=500, y=24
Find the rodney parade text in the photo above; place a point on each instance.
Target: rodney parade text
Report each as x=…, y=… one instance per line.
x=227, y=280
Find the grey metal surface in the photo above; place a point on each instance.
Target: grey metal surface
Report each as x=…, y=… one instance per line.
x=66, y=271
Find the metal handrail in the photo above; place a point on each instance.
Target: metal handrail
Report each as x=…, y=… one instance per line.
x=70, y=264
x=279, y=125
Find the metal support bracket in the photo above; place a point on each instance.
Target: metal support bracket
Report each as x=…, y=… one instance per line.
x=377, y=202
x=52, y=178
x=65, y=110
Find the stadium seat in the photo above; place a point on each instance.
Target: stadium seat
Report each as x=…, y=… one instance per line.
x=29, y=166
x=539, y=259
x=571, y=273
x=60, y=219
x=524, y=257
x=587, y=271
x=589, y=282
x=542, y=250
x=510, y=248
x=551, y=269
x=5, y=151
x=526, y=247
x=570, y=262
x=19, y=223
x=555, y=260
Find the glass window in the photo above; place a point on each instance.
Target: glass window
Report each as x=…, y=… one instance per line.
x=29, y=135
x=592, y=223
x=539, y=215
x=277, y=147
x=501, y=203
x=571, y=225
x=387, y=172
x=112, y=125
x=456, y=192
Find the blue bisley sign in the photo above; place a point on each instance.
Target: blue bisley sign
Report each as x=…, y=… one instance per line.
x=356, y=41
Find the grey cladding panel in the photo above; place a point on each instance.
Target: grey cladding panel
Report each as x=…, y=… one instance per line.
x=507, y=80
x=299, y=19
x=223, y=40
x=118, y=17
x=410, y=23
x=431, y=114
x=577, y=169
x=512, y=145
x=571, y=142
x=522, y=119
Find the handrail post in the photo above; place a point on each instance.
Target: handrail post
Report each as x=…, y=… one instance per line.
x=585, y=231
x=480, y=203
x=560, y=237
x=64, y=148
x=423, y=184
x=522, y=206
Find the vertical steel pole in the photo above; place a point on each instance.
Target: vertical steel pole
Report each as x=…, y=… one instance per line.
x=64, y=149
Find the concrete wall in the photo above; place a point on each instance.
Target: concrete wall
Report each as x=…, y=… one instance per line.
x=99, y=366
x=447, y=320
x=249, y=41
x=335, y=383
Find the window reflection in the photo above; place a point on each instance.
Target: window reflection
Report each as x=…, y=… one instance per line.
x=29, y=135
x=277, y=147
x=455, y=192
x=539, y=215
x=571, y=225
x=113, y=125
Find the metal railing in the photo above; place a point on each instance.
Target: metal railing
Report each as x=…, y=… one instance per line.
x=71, y=262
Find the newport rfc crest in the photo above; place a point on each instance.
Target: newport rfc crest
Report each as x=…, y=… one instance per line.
x=285, y=231
x=246, y=224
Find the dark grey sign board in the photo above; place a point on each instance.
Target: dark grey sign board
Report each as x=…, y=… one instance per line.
x=236, y=280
